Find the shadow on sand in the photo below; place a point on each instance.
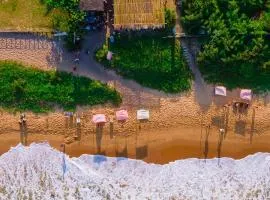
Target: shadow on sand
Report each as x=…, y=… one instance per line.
x=99, y=135
x=23, y=133
x=206, y=143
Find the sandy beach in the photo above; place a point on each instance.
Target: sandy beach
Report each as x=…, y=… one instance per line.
x=161, y=146
x=175, y=129
x=178, y=128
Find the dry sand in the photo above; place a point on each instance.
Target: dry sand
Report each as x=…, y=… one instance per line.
x=29, y=49
x=172, y=112
x=176, y=129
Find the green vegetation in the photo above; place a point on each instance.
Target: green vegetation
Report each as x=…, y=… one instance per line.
x=27, y=15
x=43, y=15
x=236, y=51
x=24, y=88
x=72, y=23
x=153, y=61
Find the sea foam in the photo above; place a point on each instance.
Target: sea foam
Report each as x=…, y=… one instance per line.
x=41, y=172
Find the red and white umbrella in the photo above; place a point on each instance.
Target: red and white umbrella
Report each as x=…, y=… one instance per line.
x=99, y=118
x=246, y=94
x=121, y=115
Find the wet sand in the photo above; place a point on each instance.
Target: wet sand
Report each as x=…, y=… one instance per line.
x=160, y=146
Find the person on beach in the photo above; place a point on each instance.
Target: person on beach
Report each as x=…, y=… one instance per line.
x=22, y=119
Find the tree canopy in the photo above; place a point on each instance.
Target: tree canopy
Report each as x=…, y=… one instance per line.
x=236, y=50
x=72, y=8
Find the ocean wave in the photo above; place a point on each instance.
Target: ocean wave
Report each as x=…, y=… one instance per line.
x=41, y=172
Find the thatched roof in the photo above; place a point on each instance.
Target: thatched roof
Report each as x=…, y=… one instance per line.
x=137, y=14
x=92, y=5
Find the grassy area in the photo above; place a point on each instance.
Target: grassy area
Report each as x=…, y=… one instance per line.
x=24, y=88
x=257, y=79
x=151, y=60
x=27, y=15
x=236, y=51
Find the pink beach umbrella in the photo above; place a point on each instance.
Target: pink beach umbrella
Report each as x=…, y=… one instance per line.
x=246, y=94
x=99, y=118
x=122, y=115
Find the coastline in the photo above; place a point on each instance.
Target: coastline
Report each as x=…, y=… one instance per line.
x=159, y=147
x=169, y=113
x=176, y=130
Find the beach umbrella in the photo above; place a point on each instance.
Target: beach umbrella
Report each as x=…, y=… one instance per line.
x=246, y=94
x=142, y=114
x=121, y=115
x=109, y=55
x=220, y=90
x=99, y=118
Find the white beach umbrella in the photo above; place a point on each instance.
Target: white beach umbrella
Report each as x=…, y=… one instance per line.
x=143, y=114
x=99, y=118
x=220, y=90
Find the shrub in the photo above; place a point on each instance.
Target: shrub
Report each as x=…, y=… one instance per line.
x=170, y=18
x=151, y=60
x=236, y=50
x=31, y=89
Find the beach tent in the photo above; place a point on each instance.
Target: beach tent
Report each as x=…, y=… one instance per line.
x=142, y=114
x=220, y=90
x=246, y=94
x=99, y=118
x=121, y=115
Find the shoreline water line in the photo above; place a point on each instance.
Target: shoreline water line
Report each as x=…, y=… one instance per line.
x=51, y=174
x=160, y=146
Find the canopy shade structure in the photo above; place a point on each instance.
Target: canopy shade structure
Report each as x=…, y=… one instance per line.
x=92, y=5
x=246, y=94
x=142, y=114
x=139, y=14
x=99, y=118
x=220, y=91
x=121, y=115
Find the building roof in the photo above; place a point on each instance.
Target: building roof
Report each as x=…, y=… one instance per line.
x=138, y=14
x=92, y=5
